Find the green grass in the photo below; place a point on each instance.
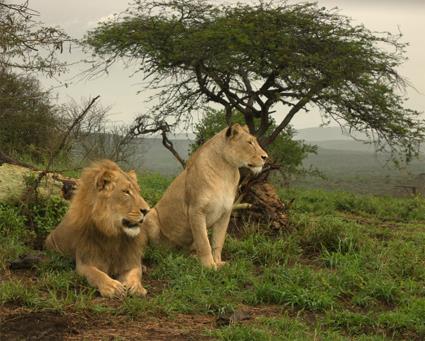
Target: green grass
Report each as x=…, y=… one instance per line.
x=350, y=267
x=152, y=185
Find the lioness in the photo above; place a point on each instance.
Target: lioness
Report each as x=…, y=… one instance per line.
x=202, y=196
x=101, y=229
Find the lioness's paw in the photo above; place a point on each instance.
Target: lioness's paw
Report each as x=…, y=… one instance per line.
x=220, y=264
x=112, y=288
x=208, y=262
x=136, y=289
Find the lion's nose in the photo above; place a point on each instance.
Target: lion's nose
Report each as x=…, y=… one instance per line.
x=144, y=211
x=264, y=157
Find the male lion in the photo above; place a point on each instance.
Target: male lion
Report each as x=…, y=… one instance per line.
x=202, y=196
x=101, y=229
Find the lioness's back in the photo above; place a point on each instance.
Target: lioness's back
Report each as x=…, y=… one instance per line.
x=172, y=211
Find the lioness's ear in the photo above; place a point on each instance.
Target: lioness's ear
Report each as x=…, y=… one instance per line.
x=132, y=174
x=104, y=180
x=245, y=127
x=233, y=130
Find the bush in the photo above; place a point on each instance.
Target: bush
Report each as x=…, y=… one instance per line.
x=27, y=117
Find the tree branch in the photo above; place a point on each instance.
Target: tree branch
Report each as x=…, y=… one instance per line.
x=144, y=127
x=169, y=145
x=297, y=107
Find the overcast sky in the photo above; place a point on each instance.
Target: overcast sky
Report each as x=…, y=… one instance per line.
x=119, y=90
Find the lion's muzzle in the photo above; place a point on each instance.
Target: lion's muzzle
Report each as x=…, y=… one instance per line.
x=131, y=224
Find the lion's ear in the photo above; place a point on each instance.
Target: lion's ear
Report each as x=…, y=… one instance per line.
x=245, y=127
x=132, y=174
x=233, y=130
x=104, y=180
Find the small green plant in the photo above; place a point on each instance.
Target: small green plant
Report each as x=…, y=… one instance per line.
x=48, y=213
x=14, y=236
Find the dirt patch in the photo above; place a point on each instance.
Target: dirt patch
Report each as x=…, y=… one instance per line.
x=35, y=326
x=181, y=327
x=20, y=324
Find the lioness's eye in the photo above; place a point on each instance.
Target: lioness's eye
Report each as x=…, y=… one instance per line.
x=126, y=191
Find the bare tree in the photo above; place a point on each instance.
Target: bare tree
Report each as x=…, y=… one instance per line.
x=96, y=137
x=26, y=43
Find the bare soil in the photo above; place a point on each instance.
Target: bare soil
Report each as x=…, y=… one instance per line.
x=20, y=324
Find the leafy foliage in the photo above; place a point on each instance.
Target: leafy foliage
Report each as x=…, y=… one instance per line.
x=13, y=234
x=27, y=117
x=253, y=57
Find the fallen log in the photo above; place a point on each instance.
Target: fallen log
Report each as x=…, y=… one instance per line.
x=16, y=179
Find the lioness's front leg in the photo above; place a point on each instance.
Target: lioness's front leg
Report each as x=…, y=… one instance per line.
x=132, y=281
x=107, y=286
x=198, y=226
x=218, y=237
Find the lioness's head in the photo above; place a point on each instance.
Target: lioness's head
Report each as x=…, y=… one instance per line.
x=114, y=195
x=242, y=149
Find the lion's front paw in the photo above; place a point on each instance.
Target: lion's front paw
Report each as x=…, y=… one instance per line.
x=208, y=262
x=112, y=288
x=136, y=288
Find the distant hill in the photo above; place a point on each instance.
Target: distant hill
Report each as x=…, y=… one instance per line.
x=346, y=164
x=325, y=134
x=345, y=145
x=152, y=156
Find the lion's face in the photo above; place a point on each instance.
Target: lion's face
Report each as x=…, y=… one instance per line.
x=242, y=149
x=120, y=209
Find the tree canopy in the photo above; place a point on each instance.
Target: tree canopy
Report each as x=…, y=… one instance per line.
x=261, y=58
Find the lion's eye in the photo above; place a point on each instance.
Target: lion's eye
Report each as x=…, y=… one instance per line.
x=126, y=191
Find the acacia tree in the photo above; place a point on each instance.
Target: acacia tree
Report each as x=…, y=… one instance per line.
x=261, y=58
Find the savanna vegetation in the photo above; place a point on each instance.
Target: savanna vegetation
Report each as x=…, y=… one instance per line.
x=348, y=267
x=345, y=267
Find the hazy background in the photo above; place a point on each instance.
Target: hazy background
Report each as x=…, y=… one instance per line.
x=345, y=163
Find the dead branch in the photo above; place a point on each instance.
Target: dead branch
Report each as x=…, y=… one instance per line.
x=77, y=120
x=241, y=206
x=7, y=159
